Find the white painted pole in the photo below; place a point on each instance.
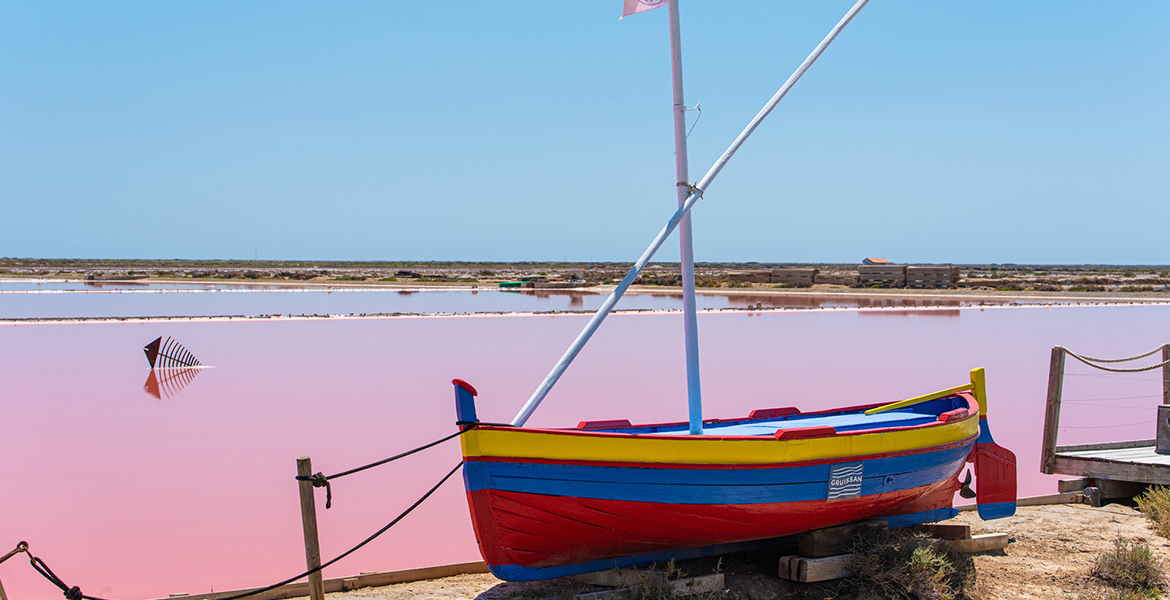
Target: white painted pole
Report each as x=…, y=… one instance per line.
x=686, y=248
x=704, y=183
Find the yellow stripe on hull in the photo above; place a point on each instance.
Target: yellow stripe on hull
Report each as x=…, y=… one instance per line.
x=551, y=444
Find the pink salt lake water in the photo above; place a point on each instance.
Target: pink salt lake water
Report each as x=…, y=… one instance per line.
x=128, y=496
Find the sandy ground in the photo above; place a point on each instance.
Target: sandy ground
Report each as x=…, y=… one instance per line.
x=1050, y=557
x=1054, y=548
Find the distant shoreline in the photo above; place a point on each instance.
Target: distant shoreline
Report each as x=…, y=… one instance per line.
x=1081, y=303
x=970, y=298
x=204, y=263
x=410, y=286
x=1046, y=280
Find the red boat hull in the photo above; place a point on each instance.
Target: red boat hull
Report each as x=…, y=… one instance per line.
x=538, y=531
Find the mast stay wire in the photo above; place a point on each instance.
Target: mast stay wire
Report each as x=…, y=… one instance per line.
x=698, y=107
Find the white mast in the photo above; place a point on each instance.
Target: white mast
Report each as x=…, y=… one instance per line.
x=692, y=197
x=686, y=249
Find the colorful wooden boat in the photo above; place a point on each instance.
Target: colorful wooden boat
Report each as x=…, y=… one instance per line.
x=552, y=502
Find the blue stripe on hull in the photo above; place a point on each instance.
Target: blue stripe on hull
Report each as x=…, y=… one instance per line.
x=711, y=486
x=918, y=518
x=984, y=432
x=521, y=573
x=996, y=510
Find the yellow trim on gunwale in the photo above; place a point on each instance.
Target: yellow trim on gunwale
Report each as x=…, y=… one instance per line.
x=548, y=444
x=920, y=399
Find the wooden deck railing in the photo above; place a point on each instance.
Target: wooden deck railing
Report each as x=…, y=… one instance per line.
x=1049, y=448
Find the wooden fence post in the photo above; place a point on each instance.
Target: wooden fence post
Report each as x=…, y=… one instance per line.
x=1052, y=411
x=1165, y=374
x=309, y=523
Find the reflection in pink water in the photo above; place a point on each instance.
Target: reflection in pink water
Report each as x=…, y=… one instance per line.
x=813, y=300
x=132, y=497
x=945, y=313
x=60, y=301
x=169, y=381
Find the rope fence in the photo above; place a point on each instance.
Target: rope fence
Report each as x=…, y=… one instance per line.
x=321, y=480
x=318, y=480
x=1099, y=363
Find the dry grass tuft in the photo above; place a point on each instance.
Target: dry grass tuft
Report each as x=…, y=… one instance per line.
x=656, y=585
x=906, y=566
x=1155, y=504
x=1132, y=568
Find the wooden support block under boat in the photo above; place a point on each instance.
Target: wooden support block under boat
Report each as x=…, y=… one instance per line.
x=805, y=569
x=945, y=531
x=618, y=577
x=812, y=570
x=978, y=543
x=831, y=541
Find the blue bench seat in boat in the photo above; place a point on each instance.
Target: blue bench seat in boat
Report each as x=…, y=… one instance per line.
x=852, y=421
x=848, y=420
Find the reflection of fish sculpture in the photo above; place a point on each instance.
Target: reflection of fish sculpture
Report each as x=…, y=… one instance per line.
x=170, y=383
x=172, y=353
x=176, y=365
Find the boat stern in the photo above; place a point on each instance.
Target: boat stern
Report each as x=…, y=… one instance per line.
x=995, y=466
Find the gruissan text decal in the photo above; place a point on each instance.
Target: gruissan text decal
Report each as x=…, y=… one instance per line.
x=845, y=481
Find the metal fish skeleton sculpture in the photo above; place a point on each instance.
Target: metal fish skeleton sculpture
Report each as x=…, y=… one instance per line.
x=171, y=353
x=177, y=366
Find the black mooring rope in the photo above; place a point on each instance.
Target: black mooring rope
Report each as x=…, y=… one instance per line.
x=74, y=592
x=71, y=593
x=321, y=480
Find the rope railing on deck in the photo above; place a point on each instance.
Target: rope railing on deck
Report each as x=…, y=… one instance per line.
x=1096, y=362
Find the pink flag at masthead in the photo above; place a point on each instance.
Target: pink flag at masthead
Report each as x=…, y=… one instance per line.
x=633, y=7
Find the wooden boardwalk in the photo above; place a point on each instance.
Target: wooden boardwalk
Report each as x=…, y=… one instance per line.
x=1124, y=461
x=1129, y=461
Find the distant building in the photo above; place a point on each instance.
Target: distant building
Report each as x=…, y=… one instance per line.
x=837, y=278
x=937, y=276
x=752, y=276
x=882, y=275
x=875, y=261
x=795, y=277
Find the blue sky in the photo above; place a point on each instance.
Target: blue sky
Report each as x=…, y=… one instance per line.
x=992, y=131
